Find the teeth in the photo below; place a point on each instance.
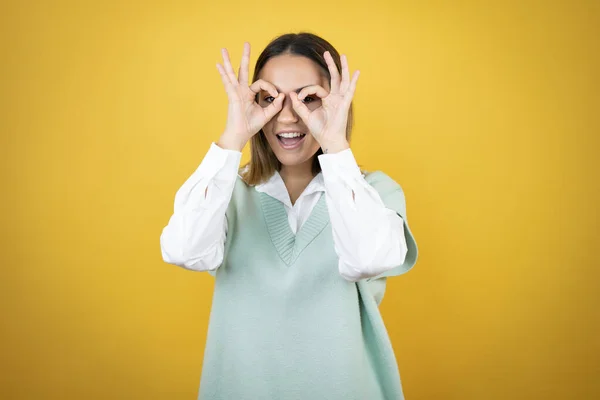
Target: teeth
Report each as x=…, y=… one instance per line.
x=290, y=135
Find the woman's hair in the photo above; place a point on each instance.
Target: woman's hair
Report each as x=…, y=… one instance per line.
x=263, y=162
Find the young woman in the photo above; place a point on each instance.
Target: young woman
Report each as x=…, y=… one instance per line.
x=300, y=242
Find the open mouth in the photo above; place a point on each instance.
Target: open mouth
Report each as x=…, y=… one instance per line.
x=290, y=140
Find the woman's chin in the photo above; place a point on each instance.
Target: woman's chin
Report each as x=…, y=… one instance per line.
x=291, y=161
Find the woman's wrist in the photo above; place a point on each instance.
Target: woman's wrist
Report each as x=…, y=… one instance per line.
x=231, y=142
x=334, y=147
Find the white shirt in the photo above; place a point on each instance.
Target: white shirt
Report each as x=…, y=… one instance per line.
x=368, y=237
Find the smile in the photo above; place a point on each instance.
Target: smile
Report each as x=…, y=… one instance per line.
x=290, y=140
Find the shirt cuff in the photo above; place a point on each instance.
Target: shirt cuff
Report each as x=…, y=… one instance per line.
x=218, y=159
x=339, y=164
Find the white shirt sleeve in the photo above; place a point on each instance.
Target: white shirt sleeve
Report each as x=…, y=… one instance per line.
x=368, y=237
x=195, y=235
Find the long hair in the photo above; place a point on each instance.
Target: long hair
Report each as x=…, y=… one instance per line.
x=263, y=162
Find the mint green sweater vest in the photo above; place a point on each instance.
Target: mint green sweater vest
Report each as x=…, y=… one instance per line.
x=284, y=324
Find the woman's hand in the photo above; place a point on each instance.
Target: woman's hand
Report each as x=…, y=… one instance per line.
x=328, y=122
x=244, y=116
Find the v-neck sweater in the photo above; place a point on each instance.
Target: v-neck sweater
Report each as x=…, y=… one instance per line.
x=284, y=324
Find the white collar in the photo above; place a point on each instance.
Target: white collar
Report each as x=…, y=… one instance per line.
x=275, y=187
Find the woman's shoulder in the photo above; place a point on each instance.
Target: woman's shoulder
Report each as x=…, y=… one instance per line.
x=381, y=181
x=389, y=190
x=241, y=198
x=241, y=186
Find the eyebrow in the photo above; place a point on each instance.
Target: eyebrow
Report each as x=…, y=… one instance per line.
x=296, y=90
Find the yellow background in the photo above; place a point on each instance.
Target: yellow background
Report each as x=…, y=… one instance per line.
x=485, y=112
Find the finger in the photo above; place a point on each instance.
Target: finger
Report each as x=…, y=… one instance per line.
x=345, y=74
x=313, y=89
x=260, y=84
x=350, y=92
x=354, y=80
x=243, y=74
x=333, y=71
x=274, y=107
x=300, y=107
x=228, y=68
x=225, y=79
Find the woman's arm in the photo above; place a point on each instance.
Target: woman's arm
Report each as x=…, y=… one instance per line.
x=195, y=235
x=369, y=238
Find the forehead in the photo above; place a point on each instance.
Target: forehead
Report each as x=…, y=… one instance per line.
x=289, y=72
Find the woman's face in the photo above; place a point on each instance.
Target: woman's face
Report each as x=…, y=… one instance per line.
x=290, y=73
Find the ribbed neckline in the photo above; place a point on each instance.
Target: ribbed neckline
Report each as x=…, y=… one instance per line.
x=288, y=245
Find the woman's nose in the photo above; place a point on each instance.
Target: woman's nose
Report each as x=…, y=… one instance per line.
x=287, y=113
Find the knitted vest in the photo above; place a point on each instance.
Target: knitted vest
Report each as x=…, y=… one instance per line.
x=284, y=324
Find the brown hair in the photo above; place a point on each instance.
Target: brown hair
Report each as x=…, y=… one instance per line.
x=263, y=162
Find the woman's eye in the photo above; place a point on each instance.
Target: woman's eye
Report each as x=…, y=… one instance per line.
x=308, y=99
x=269, y=99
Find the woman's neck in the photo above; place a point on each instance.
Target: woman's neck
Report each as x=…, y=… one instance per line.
x=296, y=178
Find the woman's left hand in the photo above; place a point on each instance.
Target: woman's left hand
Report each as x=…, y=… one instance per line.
x=328, y=122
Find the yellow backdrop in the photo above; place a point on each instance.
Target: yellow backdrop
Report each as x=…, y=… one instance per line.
x=485, y=112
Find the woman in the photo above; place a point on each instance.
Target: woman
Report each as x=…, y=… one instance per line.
x=300, y=243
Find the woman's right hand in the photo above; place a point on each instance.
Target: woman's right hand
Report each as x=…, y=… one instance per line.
x=245, y=117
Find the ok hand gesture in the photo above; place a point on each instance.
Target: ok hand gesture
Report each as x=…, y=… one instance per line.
x=244, y=117
x=328, y=122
